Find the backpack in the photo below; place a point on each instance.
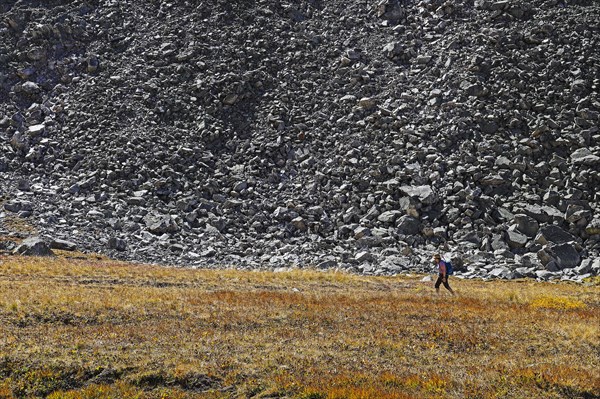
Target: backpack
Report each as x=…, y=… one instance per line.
x=449, y=268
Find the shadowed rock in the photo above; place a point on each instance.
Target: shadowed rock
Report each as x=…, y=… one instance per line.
x=34, y=246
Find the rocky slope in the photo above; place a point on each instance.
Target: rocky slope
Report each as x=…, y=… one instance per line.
x=355, y=134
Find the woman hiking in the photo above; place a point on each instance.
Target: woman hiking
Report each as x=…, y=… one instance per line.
x=442, y=274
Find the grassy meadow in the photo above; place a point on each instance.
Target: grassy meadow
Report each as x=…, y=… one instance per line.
x=88, y=327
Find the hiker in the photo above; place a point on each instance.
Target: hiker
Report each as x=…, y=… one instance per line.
x=443, y=273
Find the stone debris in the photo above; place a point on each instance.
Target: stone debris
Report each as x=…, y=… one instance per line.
x=346, y=135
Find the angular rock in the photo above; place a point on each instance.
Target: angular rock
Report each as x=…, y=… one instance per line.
x=544, y=275
x=596, y=266
x=502, y=272
x=554, y=234
x=584, y=156
x=395, y=264
x=30, y=88
x=36, y=130
x=585, y=267
x=524, y=272
x=161, y=224
x=543, y=214
x=393, y=50
x=498, y=242
x=423, y=194
x=408, y=225
x=361, y=232
x=117, y=243
x=515, y=239
x=64, y=245
x=327, y=264
x=299, y=223
x=367, y=103
x=34, y=246
x=389, y=217
x=17, y=206
x=390, y=10
x=526, y=225
x=561, y=256
x=364, y=256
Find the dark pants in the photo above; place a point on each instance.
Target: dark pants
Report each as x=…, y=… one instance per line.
x=442, y=280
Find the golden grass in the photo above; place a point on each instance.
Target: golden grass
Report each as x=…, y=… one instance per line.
x=88, y=327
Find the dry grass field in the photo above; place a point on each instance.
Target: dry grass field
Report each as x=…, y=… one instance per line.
x=93, y=328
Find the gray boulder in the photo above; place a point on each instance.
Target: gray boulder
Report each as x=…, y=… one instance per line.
x=409, y=225
x=34, y=246
x=585, y=267
x=394, y=263
x=471, y=237
x=17, y=206
x=575, y=213
x=364, y=256
x=117, y=244
x=554, y=234
x=515, y=239
x=502, y=272
x=63, y=245
x=564, y=255
x=361, y=232
x=389, y=216
x=390, y=10
x=393, y=50
x=526, y=224
x=542, y=213
x=524, y=272
x=498, y=242
x=544, y=275
x=299, y=223
x=423, y=194
x=583, y=156
x=596, y=266
x=161, y=224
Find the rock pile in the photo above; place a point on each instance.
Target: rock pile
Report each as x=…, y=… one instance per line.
x=349, y=134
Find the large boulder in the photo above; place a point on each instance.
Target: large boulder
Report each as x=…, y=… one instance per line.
x=526, y=225
x=559, y=256
x=424, y=194
x=554, y=234
x=18, y=206
x=161, y=224
x=583, y=156
x=514, y=239
x=408, y=225
x=389, y=217
x=390, y=10
x=64, y=245
x=542, y=213
x=34, y=246
x=116, y=243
